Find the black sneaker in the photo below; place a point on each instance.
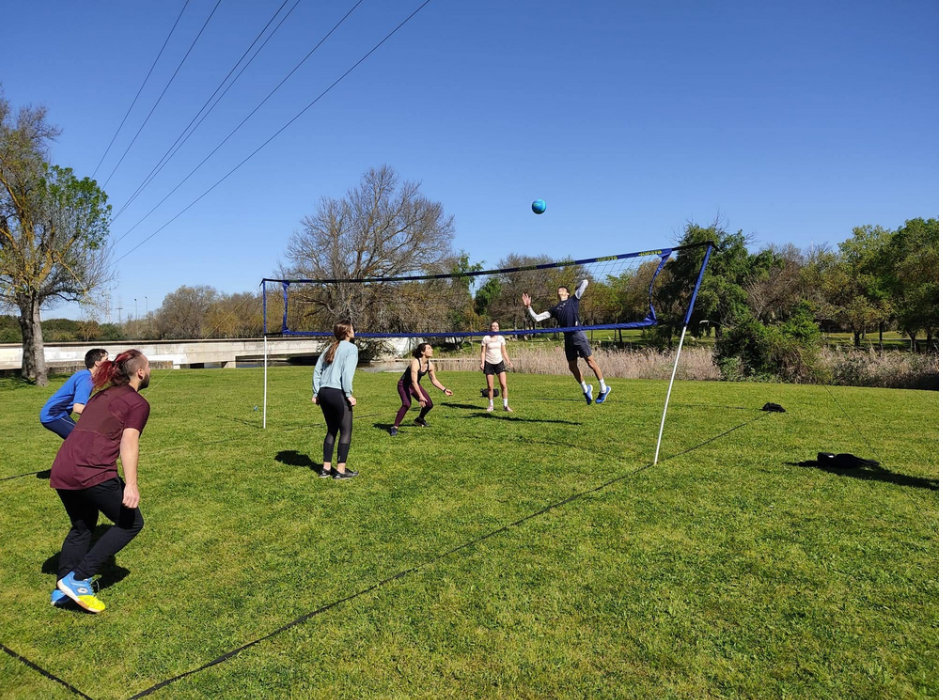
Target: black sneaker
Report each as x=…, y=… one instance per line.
x=325, y=473
x=393, y=432
x=421, y=423
x=346, y=474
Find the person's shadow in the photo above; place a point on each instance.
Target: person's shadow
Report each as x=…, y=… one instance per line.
x=293, y=458
x=109, y=575
x=874, y=473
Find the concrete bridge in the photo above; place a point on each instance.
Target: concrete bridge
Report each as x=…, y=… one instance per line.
x=66, y=357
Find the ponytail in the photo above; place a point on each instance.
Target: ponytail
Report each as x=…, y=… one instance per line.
x=421, y=348
x=342, y=331
x=118, y=372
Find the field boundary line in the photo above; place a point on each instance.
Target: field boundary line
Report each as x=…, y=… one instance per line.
x=429, y=562
x=44, y=672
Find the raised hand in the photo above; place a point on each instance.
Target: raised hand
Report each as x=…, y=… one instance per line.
x=526, y=299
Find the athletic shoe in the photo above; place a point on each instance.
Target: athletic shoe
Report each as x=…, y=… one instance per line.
x=421, y=423
x=589, y=394
x=393, y=432
x=508, y=409
x=58, y=598
x=346, y=474
x=325, y=473
x=80, y=590
x=603, y=395
x=490, y=408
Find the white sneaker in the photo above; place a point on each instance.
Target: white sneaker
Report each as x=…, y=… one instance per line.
x=490, y=408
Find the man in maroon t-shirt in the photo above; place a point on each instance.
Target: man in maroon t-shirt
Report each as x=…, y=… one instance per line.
x=85, y=475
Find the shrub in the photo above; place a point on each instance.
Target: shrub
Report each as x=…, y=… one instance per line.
x=787, y=352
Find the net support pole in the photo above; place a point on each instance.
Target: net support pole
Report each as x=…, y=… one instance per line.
x=684, y=329
x=264, y=379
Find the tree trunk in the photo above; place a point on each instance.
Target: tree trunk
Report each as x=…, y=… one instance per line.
x=881, y=337
x=857, y=335
x=913, y=341
x=929, y=332
x=34, y=360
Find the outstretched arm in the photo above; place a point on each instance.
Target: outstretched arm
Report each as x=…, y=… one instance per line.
x=537, y=317
x=581, y=289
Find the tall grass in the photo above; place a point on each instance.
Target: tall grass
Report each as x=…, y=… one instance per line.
x=889, y=370
x=695, y=364
x=841, y=366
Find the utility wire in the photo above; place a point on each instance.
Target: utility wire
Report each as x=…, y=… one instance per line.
x=166, y=87
x=134, y=101
x=271, y=138
x=239, y=126
x=165, y=159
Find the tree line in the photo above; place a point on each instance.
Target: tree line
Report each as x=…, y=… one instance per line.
x=767, y=308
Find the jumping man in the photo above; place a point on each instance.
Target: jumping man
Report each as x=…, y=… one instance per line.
x=575, y=343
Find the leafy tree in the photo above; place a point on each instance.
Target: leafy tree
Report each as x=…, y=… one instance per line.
x=912, y=256
x=53, y=228
x=857, y=282
x=722, y=297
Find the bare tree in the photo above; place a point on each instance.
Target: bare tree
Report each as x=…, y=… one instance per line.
x=184, y=312
x=381, y=228
x=53, y=228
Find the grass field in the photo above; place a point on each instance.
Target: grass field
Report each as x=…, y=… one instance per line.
x=726, y=571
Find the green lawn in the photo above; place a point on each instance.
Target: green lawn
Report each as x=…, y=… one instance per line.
x=726, y=571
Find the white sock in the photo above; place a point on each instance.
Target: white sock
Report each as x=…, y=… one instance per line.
x=602, y=385
x=586, y=387
x=505, y=402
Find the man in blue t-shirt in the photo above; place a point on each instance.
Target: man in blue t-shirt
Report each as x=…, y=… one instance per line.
x=71, y=397
x=575, y=343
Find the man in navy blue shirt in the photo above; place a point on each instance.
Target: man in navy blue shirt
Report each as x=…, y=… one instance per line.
x=71, y=397
x=575, y=343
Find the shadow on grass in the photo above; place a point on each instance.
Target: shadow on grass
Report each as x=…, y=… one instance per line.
x=109, y=575
x=45, y=474
x=874, y=474
x=518, y=419
x=466, y=406
x=14, y=382
x=293, y=458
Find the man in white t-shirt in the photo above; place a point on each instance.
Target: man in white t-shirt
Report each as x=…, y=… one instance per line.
x=494, y=357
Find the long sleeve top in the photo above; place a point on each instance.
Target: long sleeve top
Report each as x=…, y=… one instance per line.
x=338, y=374
x=559, y=310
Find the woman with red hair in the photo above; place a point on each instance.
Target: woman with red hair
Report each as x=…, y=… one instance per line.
x=85, y=475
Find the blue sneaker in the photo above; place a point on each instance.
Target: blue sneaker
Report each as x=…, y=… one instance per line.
x=588, y=394
x=80, y=590
x=57, y=598
x=603, y=395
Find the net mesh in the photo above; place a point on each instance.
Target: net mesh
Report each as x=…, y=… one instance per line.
x=622, y=294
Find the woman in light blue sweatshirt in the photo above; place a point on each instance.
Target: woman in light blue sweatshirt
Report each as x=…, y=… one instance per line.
x=333, y=391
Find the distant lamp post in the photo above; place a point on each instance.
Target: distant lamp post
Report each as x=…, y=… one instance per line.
x=707, y=322
x=145, y=306
x=135, y=308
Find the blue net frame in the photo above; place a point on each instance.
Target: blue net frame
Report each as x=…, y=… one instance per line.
x=650, y=319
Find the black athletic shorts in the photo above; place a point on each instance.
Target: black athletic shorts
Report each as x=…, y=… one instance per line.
x=494, y=369
x=576, y=345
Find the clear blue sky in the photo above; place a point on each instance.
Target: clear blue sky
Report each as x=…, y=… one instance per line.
x=794, y=121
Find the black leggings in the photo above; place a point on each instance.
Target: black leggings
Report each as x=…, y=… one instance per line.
x=83, y=508
x=339, y=416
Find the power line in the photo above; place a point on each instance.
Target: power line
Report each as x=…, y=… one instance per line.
x=271, y=138
x=166, y=87
x=134, y=101
x=248, y=116
x=165, y=159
